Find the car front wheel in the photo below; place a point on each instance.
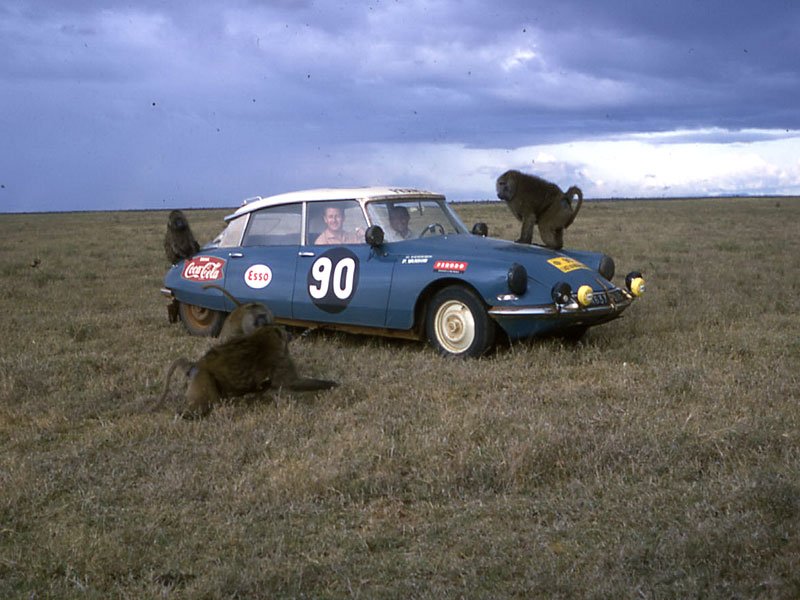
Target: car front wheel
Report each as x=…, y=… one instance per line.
x=457, y=323
x=201, y=321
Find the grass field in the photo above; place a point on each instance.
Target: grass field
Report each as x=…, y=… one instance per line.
x=658, y=458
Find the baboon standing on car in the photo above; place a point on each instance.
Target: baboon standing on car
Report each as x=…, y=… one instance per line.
x=534, y=200
x=179, y=242
x=245, y=318
x=244, y=364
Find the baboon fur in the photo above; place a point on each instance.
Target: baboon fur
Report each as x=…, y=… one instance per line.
x=245, y=318
x=535, y=201
x=245, y=364
x=179, y=241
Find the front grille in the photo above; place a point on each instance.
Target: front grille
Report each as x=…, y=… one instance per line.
x=599, y=299
x=617, y=295
x=604, y=298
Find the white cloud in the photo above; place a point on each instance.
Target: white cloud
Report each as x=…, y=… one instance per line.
x=134, y=29
x=643, y=166
x=517, y=59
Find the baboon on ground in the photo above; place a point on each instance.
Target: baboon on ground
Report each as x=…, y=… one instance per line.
x=247, y=363
x=245, y=318
x=179, y=242
x=534, y=200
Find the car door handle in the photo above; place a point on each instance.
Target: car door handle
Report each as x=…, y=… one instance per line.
x=235, y=254
x=305, y=254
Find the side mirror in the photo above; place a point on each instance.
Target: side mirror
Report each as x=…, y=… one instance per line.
x=480, y=229
x=374, y=236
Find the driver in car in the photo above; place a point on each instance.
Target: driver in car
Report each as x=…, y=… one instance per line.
x=398, y=219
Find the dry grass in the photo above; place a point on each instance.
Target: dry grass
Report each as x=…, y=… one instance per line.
x=657, y=459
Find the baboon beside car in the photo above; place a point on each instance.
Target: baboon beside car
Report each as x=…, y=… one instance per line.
x=245, y=318
x=179, y=241
x=244, y=364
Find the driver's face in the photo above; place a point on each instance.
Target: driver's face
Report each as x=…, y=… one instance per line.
x=399, y=220
x=333, y=218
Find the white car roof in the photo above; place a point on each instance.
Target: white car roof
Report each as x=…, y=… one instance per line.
x=330, y=194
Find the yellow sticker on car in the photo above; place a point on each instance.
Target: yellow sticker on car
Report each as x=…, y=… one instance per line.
x=565, y=264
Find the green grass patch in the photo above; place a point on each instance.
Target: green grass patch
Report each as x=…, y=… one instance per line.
x=658, y=458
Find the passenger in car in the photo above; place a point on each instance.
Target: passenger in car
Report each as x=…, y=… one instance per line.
x=334, y=229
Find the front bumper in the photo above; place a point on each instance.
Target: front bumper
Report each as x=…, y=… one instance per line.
x=521, y=322
x=172, y=308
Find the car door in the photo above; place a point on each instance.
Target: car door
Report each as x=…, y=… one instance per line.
x=262, y=269
x=345, y=283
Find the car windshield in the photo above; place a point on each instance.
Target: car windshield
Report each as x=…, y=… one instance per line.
x=230, y=236
x=410, y=219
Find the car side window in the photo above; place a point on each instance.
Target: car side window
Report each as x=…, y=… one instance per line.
x=274, y=226
x=395, y=218
x=338, y=222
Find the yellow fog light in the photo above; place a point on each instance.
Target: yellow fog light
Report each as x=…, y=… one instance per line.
x=635, y=283
x=585, y=295
x=637, y=286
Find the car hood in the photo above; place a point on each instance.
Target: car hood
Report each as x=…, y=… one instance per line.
x=476, y=254
x=486, y=250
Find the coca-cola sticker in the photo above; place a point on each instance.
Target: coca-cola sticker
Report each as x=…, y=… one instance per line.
x=204, y=268
x=258, y=276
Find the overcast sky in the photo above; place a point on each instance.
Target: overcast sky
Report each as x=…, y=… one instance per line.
x=182, y=103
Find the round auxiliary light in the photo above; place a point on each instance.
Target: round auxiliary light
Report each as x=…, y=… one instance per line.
x=635, y=283
x=585, y=295
x=637, y=286
x=561, y=293
x=481, y=229
x=374, y=235
x=517, y=279
x=607, y=267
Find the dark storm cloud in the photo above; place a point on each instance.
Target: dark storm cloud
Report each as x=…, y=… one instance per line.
x=157, y=103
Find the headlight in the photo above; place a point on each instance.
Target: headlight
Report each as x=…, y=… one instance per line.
x=585, y=295
x=635, y=283
x=561, y=293
x=517, y=278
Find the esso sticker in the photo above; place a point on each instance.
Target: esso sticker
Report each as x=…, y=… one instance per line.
x=258, y=276
x=333, y=279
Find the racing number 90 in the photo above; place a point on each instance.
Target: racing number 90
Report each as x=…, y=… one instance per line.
x=341, y=276
x=333, y=279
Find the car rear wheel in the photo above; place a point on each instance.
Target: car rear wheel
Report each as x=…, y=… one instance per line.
x=201, y=321
x=457, y=323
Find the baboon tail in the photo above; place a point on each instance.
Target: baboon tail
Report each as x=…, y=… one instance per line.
x=306, y=384
x=224, y=291
x=574, y=191
x=183, y=363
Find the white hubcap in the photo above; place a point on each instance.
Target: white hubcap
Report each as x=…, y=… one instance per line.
x=455, y=326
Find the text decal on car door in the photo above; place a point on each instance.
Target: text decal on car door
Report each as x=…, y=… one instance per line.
x=333, y=279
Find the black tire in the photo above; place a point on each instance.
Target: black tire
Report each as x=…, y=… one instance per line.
x=201, y=321
x=457, y=323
